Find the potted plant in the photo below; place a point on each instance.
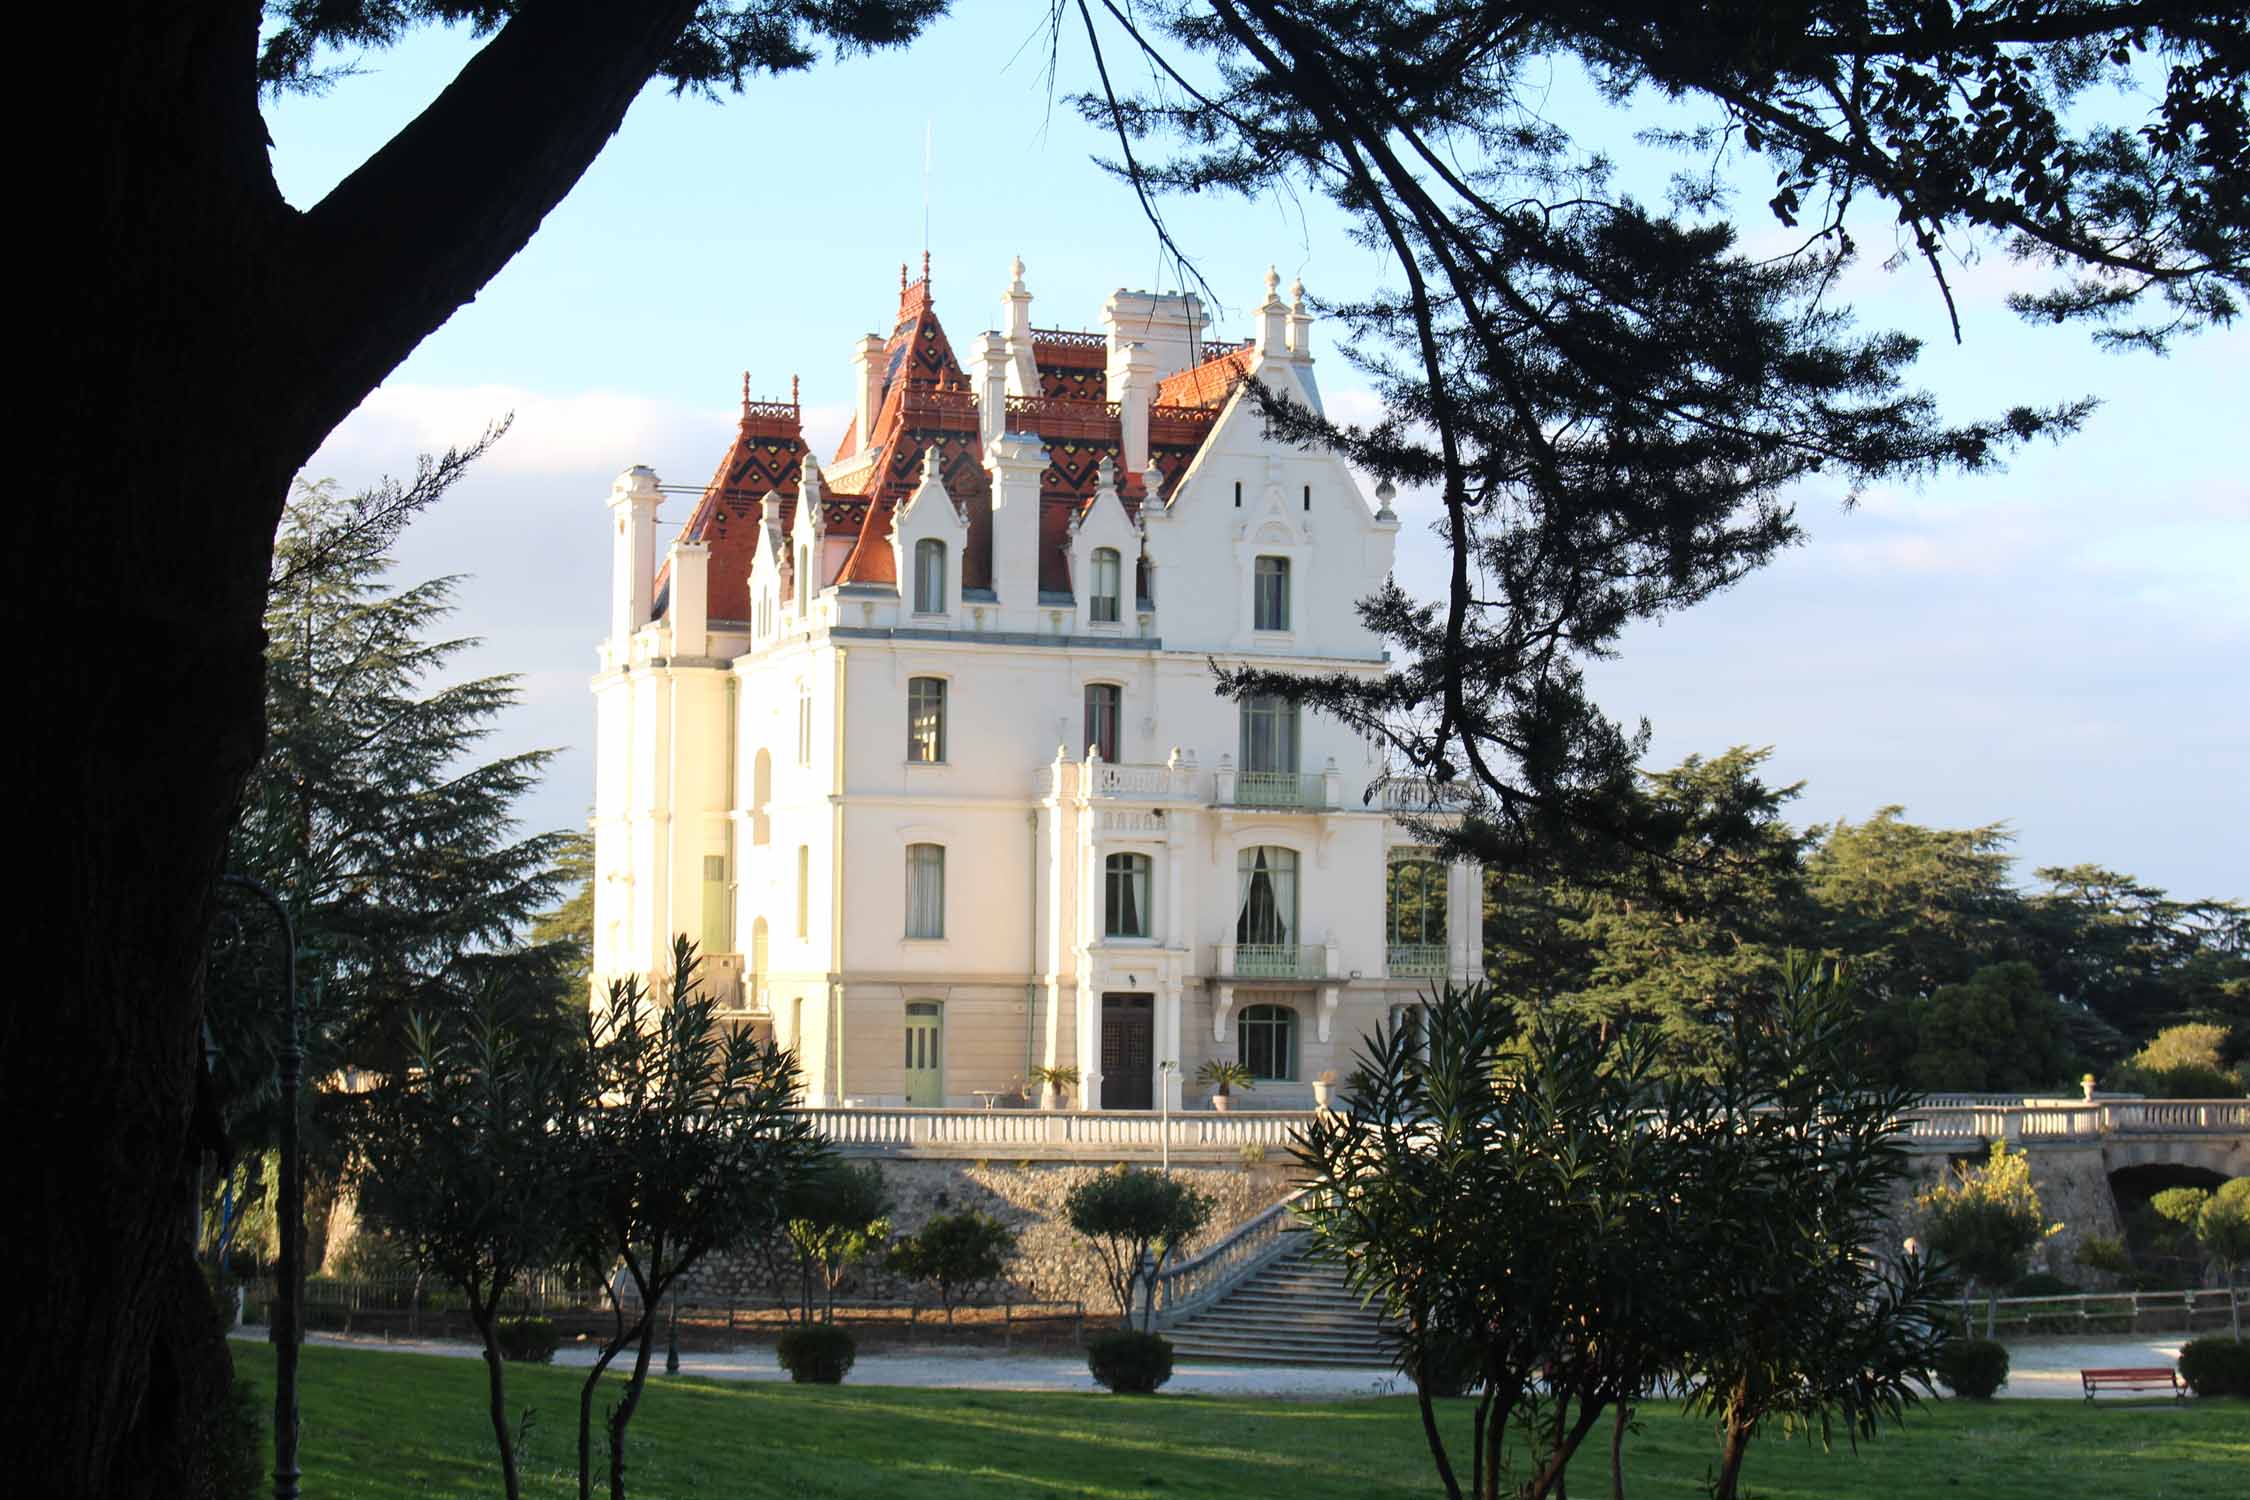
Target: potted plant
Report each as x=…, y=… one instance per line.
x=1320, y=1089
x=1053, y=1084
x=1224, y=1078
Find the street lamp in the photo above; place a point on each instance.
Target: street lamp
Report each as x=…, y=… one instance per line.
x=285, y=1323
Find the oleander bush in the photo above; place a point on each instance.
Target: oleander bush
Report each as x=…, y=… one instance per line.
x=817, y=1354
x=529, y=1341
x=1974, y=1368
x=1128, y=1361
x=1448, y=1367
x=2217, y=1366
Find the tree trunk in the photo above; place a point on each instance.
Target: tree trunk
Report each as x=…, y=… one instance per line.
x=496, y=1394
x=622, y=1414
x=1617, y=1452
x=1734, y=1446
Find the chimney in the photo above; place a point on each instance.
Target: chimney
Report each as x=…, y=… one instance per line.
x=1136, y=393
x=867, y=371
x=633, y=500
x=988, y=357
x=1016, y=460
x=691, y=598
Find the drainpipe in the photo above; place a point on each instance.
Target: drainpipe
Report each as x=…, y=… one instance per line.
x=1031, y=971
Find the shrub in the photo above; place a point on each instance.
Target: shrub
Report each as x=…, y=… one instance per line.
x=2216, y=1367
x=817, y=1354
x=1128, y=1361
x=235, y=1458
x=2043, y=1284
x=1447, y=1366
x=526, y=1341
x=1974, y=1368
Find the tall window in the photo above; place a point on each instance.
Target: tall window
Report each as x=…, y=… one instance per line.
x=929, y=576
x=1266, y=1039
x=925, y=719
x=1266, y=895
x=1269, y=734
x=804, y=579
x=804, y=723
x=1416, y=902
x=1125, y=903
x=718, y=915
x=761, y=792
x=804, y=891
x=1102, y=702
x=1271, y=603
x=1108, y=576
x=925, y=890
x=758, y=997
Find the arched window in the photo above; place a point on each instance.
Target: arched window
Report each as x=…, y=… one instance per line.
x=925, y=719
x=929, y=576
x=1107, y=584
x=1271, y=602
x=925, y=890
x=1103, y=699
x=761, y=793
x=1266, y=896
x=1125, y=910
x=1414, y=917
x=1266, y=1040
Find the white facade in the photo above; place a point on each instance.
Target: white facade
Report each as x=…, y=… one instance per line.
x=882, y=805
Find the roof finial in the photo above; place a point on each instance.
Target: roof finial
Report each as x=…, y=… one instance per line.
x=792, y=390
x=925, y=268
x=746, y=393
x=1297, y=295
x=1273, y=283
x=902, y=275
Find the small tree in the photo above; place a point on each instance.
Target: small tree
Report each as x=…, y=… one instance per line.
x=1135, y=1220
x=687, y=1143
x=462, y=1166
x=2223, y=1229
x=956, y=1253
x=1986, y=1221
x=836, y=1217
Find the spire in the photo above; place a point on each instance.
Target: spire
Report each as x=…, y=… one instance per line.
x=745, y=395
x=902, y=275
x=925, y=268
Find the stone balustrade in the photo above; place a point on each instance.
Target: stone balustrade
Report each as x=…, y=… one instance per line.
x=2079, y=1122
x=1093, y=1135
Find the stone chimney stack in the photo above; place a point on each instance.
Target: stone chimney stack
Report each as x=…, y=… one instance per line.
x=1136, y=393
x=633, y=502
x=1016, y=460
x=1273, y=320
x=691, y=598
x=867, y=384
x=988, y=362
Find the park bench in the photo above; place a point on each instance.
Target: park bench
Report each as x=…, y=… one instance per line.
x=2145, y=1378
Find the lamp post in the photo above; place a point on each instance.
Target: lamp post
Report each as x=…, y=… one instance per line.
x=1164, y=1072
x=286, y=1320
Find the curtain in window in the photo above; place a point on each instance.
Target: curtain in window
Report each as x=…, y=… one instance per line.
x=1105, y=591
x=929, y=576
x=1269, y=734
x=1266, y=1040
x=1102, y=702
x=1267, y=900
x=1271, y=602
x=925, y=890
x=925, y=719
x=1125, y=911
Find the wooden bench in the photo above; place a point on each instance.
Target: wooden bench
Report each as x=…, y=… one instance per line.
x=2147, y=1378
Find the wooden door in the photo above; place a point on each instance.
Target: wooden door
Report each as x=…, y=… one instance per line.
x=925, y=1054
x=1128, y=1052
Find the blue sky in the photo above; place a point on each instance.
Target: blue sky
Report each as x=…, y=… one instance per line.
x=2060, y=647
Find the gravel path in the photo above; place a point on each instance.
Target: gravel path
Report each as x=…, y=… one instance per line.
x=2039, y=1369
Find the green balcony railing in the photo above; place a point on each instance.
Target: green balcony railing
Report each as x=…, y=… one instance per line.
x=1417, y=960
x=1280, y=789
x=1279, y=961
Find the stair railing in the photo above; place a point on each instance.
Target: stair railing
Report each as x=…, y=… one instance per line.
x=1194, y=1284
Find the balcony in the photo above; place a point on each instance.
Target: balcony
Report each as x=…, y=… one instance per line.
x=1297, y=790
x=1098, y=780
x=1282, y=961
x=1418, y=794
x=1416, y=960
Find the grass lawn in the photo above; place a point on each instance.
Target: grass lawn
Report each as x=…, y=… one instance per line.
x=378, y=1424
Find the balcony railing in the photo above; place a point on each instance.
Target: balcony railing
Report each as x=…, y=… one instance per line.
x=1096, y=779
x=1417, y=794
x=1274, y=961
x=1416, y=960
x=1292, y=789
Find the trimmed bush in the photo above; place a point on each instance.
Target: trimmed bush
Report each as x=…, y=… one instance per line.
x=526, y=1341
x=817, y=1354
x=1974, y=1368
x=1128, y=1361
x=2216, y=1367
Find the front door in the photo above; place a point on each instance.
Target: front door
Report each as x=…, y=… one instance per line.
x=925, y=1054
x=1128, y=1052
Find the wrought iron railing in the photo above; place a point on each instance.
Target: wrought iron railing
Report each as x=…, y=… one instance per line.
x=1416, y=960
x=1280, y=789
x=1279, y=961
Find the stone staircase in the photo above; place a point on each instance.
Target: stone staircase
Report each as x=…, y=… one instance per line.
x=1289, y=1310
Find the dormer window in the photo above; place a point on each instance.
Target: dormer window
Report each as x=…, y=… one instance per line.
x=1107, y=584
x=1270, y=605
x=929, y=577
